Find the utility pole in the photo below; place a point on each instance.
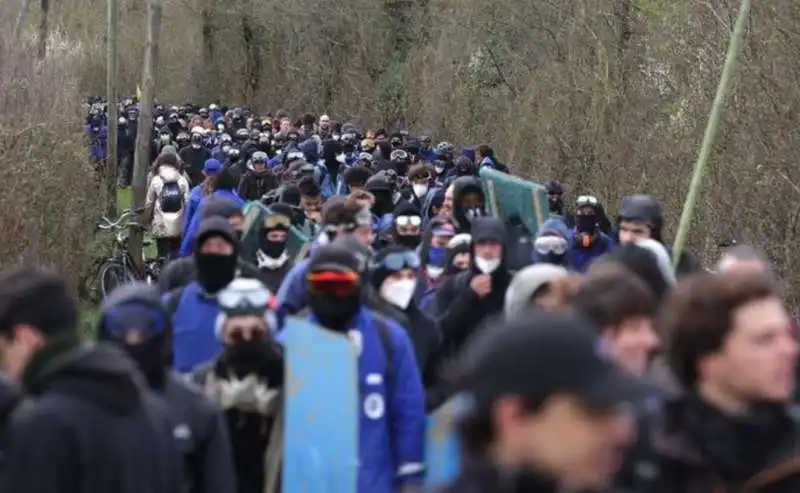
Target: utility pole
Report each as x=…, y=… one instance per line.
x=111, y=98
x=155, y=10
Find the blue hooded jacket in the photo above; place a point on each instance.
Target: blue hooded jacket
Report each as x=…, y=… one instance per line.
x=392, y=422
x=580, y=257
x=97, y=147
x=187, y=241
x=193, y=339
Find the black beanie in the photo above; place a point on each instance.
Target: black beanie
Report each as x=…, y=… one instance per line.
x=333, y=257
x=215, y=226
x=221, y=207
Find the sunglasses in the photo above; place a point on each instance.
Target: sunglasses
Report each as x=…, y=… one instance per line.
x=335, y=284
x=122, y=319
x=550, y=244
x=277, y=221
x=404, y=221
x=399, y=261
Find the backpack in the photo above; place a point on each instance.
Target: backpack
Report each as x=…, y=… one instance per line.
x=171, y=199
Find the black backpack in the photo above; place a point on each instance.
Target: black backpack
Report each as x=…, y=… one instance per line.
x=171, y=199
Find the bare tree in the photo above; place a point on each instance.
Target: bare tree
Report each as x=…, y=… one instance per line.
x=44, y=29
x=155, y=11
x=111, y=97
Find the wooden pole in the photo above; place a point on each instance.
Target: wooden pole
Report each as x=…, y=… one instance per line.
x=44, y=29
x=155, y=9
x=714, y=117
x=111, y=98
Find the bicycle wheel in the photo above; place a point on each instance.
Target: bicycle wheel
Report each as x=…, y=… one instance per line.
x=89, y=288
x=111, y=275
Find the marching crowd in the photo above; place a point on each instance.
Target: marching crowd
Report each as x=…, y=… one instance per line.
x=587, y=362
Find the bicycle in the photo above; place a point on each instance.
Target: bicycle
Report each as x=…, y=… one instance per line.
x=119, y=268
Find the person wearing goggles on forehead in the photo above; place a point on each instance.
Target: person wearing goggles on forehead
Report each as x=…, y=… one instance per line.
x=552, y=243
x=393, y=274
x=134, y=318
x=258, y=180
x=589, y=242
x=272, y=259
x=339, y=216
x=407, y=227
x=246, y=380
x=392, y=420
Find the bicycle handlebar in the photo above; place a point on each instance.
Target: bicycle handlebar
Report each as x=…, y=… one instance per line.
x=118, y=224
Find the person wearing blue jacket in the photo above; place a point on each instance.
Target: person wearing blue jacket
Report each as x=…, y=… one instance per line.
x=211, y=169
x=225, y=186
x=339, y=216
x=553, y=243
x=193, y=308
x=588, y=241
x=392, y=417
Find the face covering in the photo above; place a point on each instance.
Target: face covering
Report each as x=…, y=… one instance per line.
x=249, y=357
x=335, y=313
x=150, y=358
x=473, y=212
x=586, y=223
x=439, y=169
x=399, y=293
x=215, y=271
x=340, y=158
x=556, y=206
x=552, y=258
x=437, y=256
x=409, y=241
x=272, y=249
x=487, y=266
x=420, y=190
x=433, y=271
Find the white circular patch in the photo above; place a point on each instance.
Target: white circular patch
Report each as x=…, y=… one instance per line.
x=357, y=340
x=374, y=406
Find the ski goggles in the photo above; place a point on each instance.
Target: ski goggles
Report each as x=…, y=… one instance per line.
x=231, y=300
x=405, y=221
x=332, y=283
x=129, y=317
x=545, y=245
x=277, y=221
x=585, y=200
x=398, y=261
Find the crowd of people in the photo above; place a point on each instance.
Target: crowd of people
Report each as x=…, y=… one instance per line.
x=587, y=362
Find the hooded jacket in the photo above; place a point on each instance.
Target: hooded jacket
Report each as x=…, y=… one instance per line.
x=526, y=283
x=166, y=224
x=554, y=226
x=89, y=426
x=187, y=240
x=200, y=431
x=460, y=187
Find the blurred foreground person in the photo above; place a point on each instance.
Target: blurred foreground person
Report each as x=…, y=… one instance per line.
x=547, y=408
x=134, y=318
x=733, y=351
x=89, y=425
x=743, y=258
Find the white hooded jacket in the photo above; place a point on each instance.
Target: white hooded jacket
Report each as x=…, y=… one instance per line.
x=166, y=225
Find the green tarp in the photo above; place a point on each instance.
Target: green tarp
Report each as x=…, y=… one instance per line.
x=254, y=215
x=509, y=196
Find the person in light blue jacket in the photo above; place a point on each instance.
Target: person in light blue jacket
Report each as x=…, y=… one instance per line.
x=392, y=415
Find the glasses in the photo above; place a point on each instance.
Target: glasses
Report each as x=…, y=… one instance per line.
x=398, y=155
x=277, y=221
x=122, y=319
x=335, y=284
x=399, y=261
x=233, y=299
x=405, y=221
x=550, y=244
x=586, y=200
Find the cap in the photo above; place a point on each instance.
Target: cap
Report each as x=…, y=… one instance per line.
x=544, y=354
x=212, y=166
x=445, y=229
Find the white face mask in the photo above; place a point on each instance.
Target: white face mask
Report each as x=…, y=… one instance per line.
x=420, y=190
x=487, y=266
x=340, y=158
x=399, y=293
x=439, y=169
x=433, y=271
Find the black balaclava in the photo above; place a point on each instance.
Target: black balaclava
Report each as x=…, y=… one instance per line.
x=382, y=191
x=451, y=252
x=408, y=241
x=152, y=355
x=334, y=312
x=556, y=203
x=215, y=271
x=330, y=149
x=463, y=215
x=275, y=249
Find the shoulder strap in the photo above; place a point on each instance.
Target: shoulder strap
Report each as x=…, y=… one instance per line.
x=388, y=352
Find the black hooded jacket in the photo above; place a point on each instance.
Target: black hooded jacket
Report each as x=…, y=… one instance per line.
x=200, y=430
x=90, y=426
x=458, y=308
x=460, y=187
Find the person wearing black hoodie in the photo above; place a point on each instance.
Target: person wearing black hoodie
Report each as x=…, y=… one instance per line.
x=272, y=259
x=133, y=317
x=89, y=424
x=9, y=398
x=469, y=202
x=471, y=297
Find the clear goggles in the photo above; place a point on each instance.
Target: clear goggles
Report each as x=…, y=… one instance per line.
x=399, y=260
x=405, y=221
x=545, y=245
